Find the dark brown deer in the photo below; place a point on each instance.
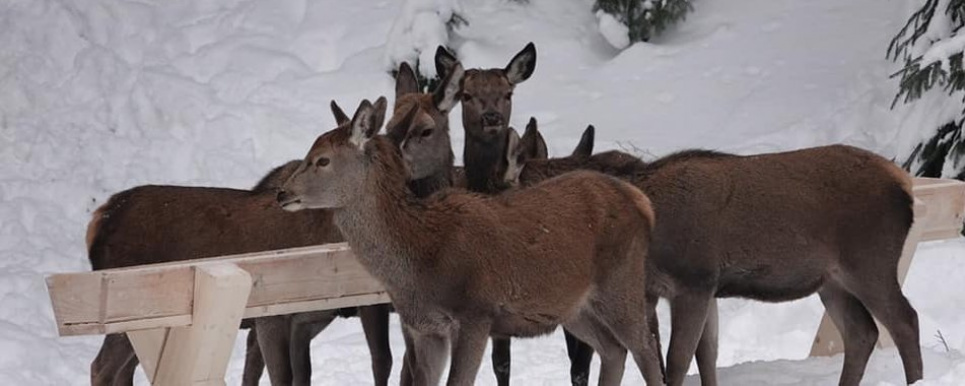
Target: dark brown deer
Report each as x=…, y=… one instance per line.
x=772, y=227
x=570, y=251
x=486, y=109
x=487, y=105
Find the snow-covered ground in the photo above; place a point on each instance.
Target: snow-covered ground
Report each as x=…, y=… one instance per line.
x=97, y=96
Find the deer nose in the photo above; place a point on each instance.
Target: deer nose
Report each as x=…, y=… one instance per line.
x=492, y=119
x=283, y=196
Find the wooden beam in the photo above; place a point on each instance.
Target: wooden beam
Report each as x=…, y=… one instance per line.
x=161, y=295
x=198, y=355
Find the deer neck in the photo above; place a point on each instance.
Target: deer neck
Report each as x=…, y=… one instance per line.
x=386, y=225
x=481, y=158
x=424, y=187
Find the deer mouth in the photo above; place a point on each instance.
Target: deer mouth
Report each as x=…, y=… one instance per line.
x=292, y=206
x=289, y=202
x=492, y=130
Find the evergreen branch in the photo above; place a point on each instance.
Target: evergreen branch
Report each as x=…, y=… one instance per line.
x=918, y=22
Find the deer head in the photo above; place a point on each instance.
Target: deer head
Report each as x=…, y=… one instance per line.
x=487, y=95
x=520, y=150
x=331, y=172
x=529, y=150
x=420, y=122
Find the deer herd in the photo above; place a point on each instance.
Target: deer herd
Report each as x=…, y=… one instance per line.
x=515, y=244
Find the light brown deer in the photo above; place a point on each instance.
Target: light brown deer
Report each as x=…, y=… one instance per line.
x=772, y=227
x=486, y=110
x=570, y=251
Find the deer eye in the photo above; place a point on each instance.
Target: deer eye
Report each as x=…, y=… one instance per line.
x=426, y=133
x=466, y=97
x=322, y=162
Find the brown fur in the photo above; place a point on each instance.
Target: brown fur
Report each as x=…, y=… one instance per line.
x=775, y=227
x=447, y=280
x=94, y=225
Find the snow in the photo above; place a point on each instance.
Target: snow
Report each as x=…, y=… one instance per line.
x=615, y=32
x=419, y=29
x=97, y=96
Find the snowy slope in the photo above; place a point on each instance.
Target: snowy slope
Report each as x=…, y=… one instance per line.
x=97, y=96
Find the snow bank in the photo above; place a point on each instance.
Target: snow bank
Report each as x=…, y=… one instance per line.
x=97, y=96
x=421, y=27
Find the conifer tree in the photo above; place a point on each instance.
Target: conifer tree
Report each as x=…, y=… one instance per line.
x=930, y=46
x=645, y=19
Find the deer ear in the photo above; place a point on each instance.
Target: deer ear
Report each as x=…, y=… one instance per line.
x=514, y=157
x=534, y=147
x=405, y=81
x=445, y=60
x=340, y=117
x=522, y=65
x=446, y=96
x=367, y=121
x=378, y=116
x=584, y=149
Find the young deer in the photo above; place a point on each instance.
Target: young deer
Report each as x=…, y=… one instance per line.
x=487, y=104
x=569, y=251
x=486, y=109
x=772, y=227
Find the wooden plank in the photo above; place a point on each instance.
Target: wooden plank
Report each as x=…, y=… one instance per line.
x=160, y=295
x=148, y=345
x=69, y=296
x=317, y=305
x=944, y=206
x=198, y=355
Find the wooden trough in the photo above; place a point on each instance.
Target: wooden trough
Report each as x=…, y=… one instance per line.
x=183, y=317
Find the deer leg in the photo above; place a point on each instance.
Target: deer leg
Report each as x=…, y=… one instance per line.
x=707, y=348
x=273, y=337
x=501, y=360
x=407, y=376
x=654, y=322
x=429, y=352
x=857, y=329
x=613, y=356
x=304, y=327
x=125, y=376
x=892, y=309
x=581, y=354
x=115, y=353
x=628, y=321
x=688, y=313
x=468, y=347
x=254, y=362
x=375, y=324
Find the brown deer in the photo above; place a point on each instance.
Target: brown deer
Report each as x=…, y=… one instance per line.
x=486, y=109
x=153, y=224
x=772, y=227
x=125, y=237
x=570, y=251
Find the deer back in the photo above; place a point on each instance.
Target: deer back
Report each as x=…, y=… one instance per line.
x=153, y=224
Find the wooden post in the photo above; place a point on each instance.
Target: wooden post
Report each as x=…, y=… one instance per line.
x=198, y=354
x=828, y=340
